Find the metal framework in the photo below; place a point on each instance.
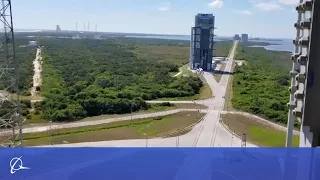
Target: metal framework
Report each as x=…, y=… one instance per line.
x=10, y=116
x=304, y=103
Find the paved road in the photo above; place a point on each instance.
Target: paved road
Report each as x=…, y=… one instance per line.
x=49, y=127
x=208, y=133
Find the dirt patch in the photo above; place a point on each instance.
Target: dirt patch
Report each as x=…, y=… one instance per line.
x=37, y=81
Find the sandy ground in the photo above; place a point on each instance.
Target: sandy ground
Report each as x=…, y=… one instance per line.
x=37, y=63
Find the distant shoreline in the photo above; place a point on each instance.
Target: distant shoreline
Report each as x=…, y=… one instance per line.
x=269, y=44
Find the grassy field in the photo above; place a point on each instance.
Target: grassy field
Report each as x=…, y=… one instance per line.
x=186, y=71
x=205, y=93
x=175, y=54
x=135, y=129
x=14, y=97
x=259, y=133
x=37, y=120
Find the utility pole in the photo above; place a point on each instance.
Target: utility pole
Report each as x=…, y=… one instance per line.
x=231, y=139
x=130, y=111
x=244, y=140
x=178, y=139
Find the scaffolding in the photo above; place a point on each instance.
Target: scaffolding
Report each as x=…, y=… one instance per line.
x=303, y=98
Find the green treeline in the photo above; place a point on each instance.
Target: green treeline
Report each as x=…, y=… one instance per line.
x=24, y=56
x=260, y=86
x=93, y=77
x=87, y=77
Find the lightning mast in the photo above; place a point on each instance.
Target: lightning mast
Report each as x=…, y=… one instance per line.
x=10, y=114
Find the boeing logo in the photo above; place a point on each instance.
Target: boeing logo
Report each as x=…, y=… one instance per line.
x=16, y=165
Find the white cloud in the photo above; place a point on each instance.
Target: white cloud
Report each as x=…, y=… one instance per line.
x=164, y=7
x=268, y=6
x=289, y=2
x=216, y=4
x=246, y=12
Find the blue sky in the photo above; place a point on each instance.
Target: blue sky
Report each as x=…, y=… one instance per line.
x=259, y=18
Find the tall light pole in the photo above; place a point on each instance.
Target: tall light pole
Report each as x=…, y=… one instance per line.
x=178, y=139
x=130, y=111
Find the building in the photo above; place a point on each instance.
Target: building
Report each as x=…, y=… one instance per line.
x=33, y=43
x=244, y=38
x=58, y=29
x=218, y=59
x=202, y=42
x=236, y=37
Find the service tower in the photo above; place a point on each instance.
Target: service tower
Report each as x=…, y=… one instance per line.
x=202, y=42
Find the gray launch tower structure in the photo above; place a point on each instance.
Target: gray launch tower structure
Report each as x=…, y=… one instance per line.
x=305, y=100
x=202, y=42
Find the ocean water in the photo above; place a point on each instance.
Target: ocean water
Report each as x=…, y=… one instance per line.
x=279, y=45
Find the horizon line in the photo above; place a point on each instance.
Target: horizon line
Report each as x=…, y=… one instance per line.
x=142, y=33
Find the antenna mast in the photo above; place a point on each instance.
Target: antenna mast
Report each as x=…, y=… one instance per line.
x=10, y=114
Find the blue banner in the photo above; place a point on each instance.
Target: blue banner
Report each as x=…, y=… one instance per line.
x=160, y=163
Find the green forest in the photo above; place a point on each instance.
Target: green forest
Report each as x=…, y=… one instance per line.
x=260, y=86
x=93, y=77
x=24, y=55
x=90, y=77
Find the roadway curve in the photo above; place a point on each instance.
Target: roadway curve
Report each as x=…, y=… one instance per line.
x=50, y=127
x=208, y=133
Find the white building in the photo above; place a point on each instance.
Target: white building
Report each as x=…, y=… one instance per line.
x=33, y=43
x=217, y=60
